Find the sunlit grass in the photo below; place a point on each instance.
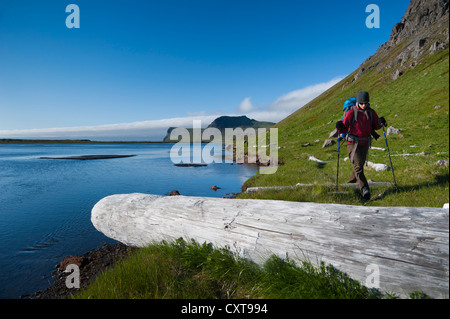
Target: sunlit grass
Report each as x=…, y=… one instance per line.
x=417, y=104
x=189, y=270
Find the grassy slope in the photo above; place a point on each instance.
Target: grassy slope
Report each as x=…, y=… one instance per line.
x=407, y=103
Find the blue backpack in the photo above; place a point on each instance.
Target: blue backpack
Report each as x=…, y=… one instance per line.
x=348, y=104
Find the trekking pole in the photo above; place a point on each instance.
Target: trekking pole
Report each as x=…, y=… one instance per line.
x=341, y=136
x=389, y=153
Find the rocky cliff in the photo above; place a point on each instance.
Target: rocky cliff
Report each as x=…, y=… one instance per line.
x=422, y=31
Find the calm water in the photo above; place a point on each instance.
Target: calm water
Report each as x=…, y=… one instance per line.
x=45, y=204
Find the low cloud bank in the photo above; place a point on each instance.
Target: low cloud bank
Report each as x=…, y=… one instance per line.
x=138, y=131
x=155, y=130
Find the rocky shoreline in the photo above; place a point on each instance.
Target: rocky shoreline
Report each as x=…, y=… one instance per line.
x=91, y=264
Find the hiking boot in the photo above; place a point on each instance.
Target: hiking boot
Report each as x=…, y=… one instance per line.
x=365, y=193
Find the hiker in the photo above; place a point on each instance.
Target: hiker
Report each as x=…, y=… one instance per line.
x=359, y=124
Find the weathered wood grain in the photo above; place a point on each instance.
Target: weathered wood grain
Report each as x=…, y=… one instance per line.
x=409, y=245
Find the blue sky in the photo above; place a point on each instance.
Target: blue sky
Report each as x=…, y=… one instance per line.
x=134, y=68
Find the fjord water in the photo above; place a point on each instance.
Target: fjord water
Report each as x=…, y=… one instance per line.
x=45, y=204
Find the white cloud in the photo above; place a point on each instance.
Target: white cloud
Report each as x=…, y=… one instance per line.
x=154, y=130
x=298, y=98
x=245, y=106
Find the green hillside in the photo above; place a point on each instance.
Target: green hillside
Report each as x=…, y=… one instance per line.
x=417, y=103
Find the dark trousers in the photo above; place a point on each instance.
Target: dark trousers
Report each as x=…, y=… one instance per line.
x=358, y=161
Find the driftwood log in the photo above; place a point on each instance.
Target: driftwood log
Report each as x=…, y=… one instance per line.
x=396, y=249
x=346, y=185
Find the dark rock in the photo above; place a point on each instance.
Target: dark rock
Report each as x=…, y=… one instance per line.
x=174, y=193
x=397, y=74
x=72, y=260
x=306, y=145
x=397, y=29
x=92, y=264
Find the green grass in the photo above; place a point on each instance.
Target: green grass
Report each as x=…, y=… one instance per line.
x=189, y=270
x=417, y=103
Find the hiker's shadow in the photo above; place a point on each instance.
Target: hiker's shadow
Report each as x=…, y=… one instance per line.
x=439, y=180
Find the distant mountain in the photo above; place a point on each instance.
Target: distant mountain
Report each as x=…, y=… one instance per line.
x=238, y=121
x=224, y=122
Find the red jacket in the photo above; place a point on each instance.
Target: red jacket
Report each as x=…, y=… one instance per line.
x=362, y=126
